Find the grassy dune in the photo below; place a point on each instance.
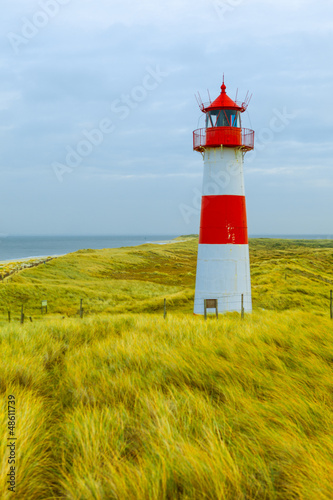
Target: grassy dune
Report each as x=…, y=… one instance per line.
x=132, y=406
x=109, y=280
x=285, y=275
x=288, y=274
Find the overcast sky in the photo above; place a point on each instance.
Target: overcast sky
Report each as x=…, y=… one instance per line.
x=97, y=112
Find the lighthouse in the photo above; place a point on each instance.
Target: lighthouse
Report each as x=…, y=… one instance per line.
x=223, y=264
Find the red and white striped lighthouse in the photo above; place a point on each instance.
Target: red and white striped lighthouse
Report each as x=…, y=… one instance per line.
x=223, y=265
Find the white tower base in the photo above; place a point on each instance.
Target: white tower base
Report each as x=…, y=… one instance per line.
x=223, y=274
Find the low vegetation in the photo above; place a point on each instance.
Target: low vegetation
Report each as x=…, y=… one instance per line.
x=9, y=268
x=109, y=281
x=126, y=405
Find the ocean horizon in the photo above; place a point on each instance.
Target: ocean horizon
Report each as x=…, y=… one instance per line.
x=21, y=247
x=294, y=236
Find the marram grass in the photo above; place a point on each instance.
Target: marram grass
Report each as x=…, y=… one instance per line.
x=136, y=407
x=125, y=405
x=285, y=274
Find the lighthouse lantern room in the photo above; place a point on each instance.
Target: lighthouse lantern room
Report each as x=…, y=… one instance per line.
x=223, y=265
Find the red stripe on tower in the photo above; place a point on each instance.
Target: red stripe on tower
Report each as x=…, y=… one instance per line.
x=223, y=220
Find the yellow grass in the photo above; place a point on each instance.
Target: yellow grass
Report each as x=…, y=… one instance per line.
x=132, y=406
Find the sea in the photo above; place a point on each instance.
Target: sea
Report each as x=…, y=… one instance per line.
x=19, y=247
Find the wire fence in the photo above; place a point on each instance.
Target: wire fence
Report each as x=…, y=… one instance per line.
x=208, y=305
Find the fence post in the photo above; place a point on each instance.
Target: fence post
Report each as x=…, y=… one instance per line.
x=205, y=308
x=242, y=306
x=9, y=316
x=331, y=304
x=22, y=315
x=165, y=311
x=81, y=308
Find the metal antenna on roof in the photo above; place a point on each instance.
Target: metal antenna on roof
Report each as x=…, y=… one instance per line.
x=209, y=97
x=246, y=101
x=199, y=101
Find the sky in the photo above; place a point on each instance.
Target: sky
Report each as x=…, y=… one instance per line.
x=97, y=110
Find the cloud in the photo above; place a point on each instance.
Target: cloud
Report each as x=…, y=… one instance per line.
x=89, y=56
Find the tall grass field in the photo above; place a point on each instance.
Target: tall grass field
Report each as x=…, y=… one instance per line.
x=124, y=404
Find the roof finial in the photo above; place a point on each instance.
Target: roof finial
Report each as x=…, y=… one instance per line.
x=223, y=87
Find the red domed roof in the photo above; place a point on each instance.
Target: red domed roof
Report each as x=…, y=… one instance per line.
x=222, y=102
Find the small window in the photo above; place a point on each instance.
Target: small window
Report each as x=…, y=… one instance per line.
x=211, y=118
x=223, y=118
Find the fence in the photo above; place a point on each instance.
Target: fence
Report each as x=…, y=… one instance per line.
x=208, y=304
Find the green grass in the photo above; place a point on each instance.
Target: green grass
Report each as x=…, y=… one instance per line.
x=285, y=274
x=109, y=280
x=127, y=405
x=288, y=274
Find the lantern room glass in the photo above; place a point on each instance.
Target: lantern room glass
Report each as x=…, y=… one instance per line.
x=223, y=118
